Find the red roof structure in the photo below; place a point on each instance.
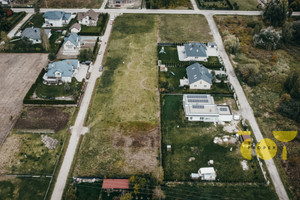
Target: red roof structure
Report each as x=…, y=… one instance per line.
x=115, y=184
x=245, y=137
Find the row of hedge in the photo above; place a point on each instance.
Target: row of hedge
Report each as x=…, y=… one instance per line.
x=28, y=100
x=17, y=19
x=201, y=5
x=186, y=64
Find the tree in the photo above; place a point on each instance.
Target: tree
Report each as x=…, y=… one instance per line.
x=127, y=196
x=85, y=54
x=267, y=38
x=292, y=84
x=51, y=56
x=36, y=7
x=276, y=12
x=287, y=32
x=296, y=27
x=294, y=5
x=250, y=74
x=158, y=193
x=67, y=87
x=231, y=43
x=45, y=39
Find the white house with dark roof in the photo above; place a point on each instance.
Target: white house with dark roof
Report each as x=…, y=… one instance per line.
x=57, y=18
x=72, y=44
x=75, y=28
x=61, y=71
x=196, y=51
x=89, y=18
x=198, y=77
x=34, y=34
x=201, y=107
x=123, y=3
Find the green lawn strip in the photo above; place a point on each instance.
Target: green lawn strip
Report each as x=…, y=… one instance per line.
x=37, y=21
x=194, y=192
x=195, y=139
x=88, y=191
x=181, y=28
x=245, y=5
x=71, y=4
x=175, y=4
x=23, y=188
x=214, y=5
x=48, y=91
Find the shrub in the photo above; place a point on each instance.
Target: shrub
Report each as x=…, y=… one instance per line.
x=267, y=39
x=250, y=74
x=231, y=43
x=51, y=56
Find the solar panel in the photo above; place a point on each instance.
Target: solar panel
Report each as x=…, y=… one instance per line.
x=198, y=100
x=223, y=109
x=197, y=96
x=198, y=106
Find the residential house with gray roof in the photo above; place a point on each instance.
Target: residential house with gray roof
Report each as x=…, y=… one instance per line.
x=61, y=71
x=198, y=77
x=196, y=51
x=72, y=44
x=57, y=18
x=34, y=34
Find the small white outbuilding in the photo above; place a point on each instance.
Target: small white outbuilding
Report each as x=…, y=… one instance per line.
x=207, y=173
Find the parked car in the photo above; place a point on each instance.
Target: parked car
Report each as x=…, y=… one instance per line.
x=100, y=68
x=100, y=52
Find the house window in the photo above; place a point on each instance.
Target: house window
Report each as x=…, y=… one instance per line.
x=201, y=118
x=195, y=85
x=204, y=85
x=191, y=118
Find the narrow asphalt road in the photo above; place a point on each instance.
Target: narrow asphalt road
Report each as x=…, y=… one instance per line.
x=78, y=128
x=246, y=109
x=16, y=28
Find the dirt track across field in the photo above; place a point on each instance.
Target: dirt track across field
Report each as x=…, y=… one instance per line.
x=18, y=73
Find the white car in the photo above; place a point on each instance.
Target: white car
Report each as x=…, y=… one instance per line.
x=100, y=52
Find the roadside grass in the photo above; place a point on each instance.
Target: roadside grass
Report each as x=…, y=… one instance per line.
x=195, y=139
x=181, y=28
x=265, y=97
x=174, y=81
x=50, y=91
x=246, y=5
x=123, y=114
x=207, y=191
x=23, y=188
x=24, y=153
x=36, y=21
x=71, y=4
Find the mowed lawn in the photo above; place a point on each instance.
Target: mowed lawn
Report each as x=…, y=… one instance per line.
x=246, y=4
x=182, y=28
x=23, y=188
x=123, y=116
x=195, y=140
x=71, y=4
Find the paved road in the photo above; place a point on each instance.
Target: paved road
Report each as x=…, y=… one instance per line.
x=150, y=11
x=194, y=5
x=78, y=128
x=16, y=28
x=246, y=109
